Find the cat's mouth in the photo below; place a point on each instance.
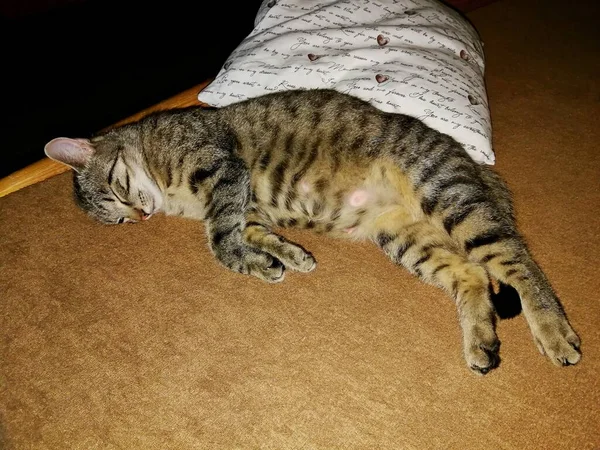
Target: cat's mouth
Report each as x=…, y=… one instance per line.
x=141, y=217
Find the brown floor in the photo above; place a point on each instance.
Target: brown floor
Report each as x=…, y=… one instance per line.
x=133, y=337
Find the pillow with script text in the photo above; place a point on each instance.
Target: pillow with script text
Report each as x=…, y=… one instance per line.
x=416, y=57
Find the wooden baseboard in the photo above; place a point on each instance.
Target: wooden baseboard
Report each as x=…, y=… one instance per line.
x=46, y=168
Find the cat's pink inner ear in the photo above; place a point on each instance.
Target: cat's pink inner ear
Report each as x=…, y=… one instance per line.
x=75, y=153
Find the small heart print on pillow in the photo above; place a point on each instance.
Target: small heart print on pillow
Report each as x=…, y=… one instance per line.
x=382, y=40
x=472, y=100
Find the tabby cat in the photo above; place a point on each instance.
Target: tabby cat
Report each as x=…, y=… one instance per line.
x=324, y=160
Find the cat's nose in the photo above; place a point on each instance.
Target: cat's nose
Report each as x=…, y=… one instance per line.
x=143, y=214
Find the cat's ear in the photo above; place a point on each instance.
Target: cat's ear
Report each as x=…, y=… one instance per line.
x=75, y=153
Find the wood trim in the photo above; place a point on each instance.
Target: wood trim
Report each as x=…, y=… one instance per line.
x=46, y=168
x=31, y=174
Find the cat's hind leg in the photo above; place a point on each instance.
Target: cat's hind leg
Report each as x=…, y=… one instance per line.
x=498, y=246
x=431, y=255
x=511, y=263
x=257, y=234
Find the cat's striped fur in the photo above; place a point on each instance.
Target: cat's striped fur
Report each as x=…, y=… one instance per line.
x=323, y=160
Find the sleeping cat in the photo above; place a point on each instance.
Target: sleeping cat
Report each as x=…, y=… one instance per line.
x=324, y=160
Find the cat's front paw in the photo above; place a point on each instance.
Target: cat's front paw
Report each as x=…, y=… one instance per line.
x=556, y=339
x=263, y=266
x=296, y=258
x=292, y=255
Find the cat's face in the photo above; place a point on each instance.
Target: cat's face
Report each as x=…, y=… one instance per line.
x=111, y=183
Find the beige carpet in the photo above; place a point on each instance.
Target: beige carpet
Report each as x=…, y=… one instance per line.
x=133, y=337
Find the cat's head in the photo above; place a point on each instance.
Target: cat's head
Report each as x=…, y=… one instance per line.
x=111, y=181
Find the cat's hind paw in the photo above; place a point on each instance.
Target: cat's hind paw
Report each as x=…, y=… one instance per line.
x=482, y=352
x=556, y=339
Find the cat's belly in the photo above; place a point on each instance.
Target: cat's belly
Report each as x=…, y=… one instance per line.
x=346, y=204
x=348, y=213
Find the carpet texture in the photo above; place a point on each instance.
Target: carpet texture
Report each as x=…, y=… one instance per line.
x=133, y=337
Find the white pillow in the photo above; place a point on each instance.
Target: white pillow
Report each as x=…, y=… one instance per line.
x=416, y=57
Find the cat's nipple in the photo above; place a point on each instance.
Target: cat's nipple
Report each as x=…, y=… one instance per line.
x=305, y=187
x=358, y=198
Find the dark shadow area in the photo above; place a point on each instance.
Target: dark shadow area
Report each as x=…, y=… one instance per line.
x=506, y=302
x=72, y=70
